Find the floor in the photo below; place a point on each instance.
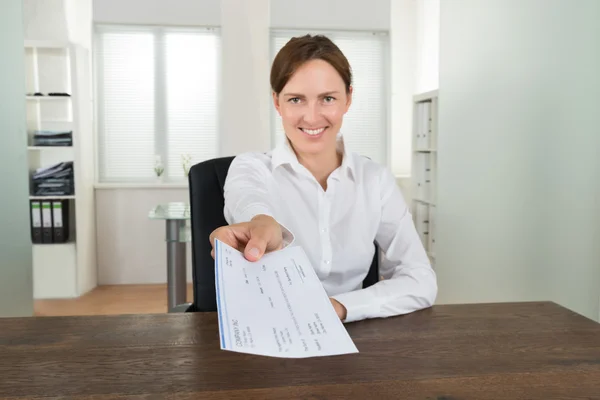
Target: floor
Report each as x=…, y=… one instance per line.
x=110, y=300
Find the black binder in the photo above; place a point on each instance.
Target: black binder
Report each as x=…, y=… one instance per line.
x=46, y=221
x=60, y=221
x=36, y=221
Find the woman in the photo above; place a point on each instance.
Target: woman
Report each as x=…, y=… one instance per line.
x=335, y=204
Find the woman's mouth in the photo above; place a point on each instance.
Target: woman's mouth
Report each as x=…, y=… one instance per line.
x=313, y=132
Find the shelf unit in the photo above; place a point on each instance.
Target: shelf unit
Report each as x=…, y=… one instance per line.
x=424, y=167
x=63, y=270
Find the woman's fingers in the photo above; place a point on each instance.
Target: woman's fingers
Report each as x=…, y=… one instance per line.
x=229, y=235
x=265, y=236
x=254, y=238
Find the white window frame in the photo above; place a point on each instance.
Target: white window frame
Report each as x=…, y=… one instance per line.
x=160, y=95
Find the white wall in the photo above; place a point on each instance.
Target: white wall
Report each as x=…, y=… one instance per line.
x=44, y=20
x=158, y=12
x=331, y=14
x=428, y=45
x=518, y=210
x=403, y=51
x=78, y=15
x=414, y=45
x=245, y=102
x=131, y=247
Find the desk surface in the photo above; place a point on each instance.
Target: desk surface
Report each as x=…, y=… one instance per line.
x=493, y=351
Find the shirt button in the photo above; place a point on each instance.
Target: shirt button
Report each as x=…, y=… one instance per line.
x=324, y=230
x=327, y=261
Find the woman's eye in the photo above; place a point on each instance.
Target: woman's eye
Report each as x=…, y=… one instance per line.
x=294, y=100
x=329, y=99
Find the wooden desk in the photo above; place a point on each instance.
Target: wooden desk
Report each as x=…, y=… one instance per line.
x=495, y=351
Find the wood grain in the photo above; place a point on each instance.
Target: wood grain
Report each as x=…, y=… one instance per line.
x=491, y=351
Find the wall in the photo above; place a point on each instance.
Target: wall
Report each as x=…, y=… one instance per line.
x=518, y=210
x=331, y=14
x=245, y=102
x=16, y=284
x=131, y=247
x=427, y=19
x=78, y=15
x=403, y=50
x=44, y=20
x=158, y=12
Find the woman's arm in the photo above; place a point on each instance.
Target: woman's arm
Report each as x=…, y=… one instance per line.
x=246, y=191
x=409, y=281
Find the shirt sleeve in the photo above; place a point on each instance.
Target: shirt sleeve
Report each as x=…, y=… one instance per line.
x=246, y=192
x=409, y=283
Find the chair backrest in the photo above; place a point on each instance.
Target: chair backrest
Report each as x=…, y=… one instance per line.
x=206, y=180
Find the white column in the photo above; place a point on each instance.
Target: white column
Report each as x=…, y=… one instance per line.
x=403, y=54
x=245, y=96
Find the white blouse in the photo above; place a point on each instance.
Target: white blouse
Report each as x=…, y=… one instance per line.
x=337, y=228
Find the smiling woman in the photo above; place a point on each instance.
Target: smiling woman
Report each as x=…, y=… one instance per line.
x=311, y=81
x=366, y=127
x=313, y=191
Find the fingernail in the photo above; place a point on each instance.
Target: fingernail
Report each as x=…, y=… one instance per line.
x=254, y=252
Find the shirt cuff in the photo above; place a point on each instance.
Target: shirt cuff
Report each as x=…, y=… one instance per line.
x=250, y=212
x=359, y=304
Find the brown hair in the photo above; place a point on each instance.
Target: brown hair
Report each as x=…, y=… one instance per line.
x=303, y=49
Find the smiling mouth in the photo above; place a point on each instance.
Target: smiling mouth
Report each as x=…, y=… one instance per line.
x=313, y=132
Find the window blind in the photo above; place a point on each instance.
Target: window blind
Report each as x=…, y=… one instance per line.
x=365, y=127
x=157, y=97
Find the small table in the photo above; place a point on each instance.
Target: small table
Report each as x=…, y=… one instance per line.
x=176, y=216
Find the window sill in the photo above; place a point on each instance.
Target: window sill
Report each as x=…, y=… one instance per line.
x=141, y=185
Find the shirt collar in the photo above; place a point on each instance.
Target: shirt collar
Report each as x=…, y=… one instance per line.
x=284, y=154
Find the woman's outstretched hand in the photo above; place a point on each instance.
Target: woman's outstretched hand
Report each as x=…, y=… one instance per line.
x=261, y=235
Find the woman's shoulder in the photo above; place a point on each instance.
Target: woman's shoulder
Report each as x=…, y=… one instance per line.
x=250, y=162
x=367, y=169
x=253, y=157
x=374, y=178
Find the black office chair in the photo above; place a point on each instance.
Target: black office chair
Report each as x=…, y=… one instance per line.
x=206, y=181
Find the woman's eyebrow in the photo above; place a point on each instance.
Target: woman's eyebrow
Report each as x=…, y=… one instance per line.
x=320, y=95
x=293, y=94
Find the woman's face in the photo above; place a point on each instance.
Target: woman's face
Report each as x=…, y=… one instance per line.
x=312, y=106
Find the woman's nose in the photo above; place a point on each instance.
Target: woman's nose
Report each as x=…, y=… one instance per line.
x=312, y=114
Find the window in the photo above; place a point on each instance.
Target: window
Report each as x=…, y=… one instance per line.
x=157, y=96
x=365, y=127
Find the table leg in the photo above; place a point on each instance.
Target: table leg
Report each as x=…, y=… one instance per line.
x=176, y=271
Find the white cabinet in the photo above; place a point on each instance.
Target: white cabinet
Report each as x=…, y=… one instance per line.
x=58, y=102
x=424, y=168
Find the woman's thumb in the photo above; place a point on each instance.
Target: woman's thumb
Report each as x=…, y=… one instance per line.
x=255, y=249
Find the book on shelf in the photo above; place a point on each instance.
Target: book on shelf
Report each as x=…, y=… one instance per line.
x=54, y=180
x=43, y=138
x=422, y=224
x=49, y=221
x=423, y=126
x=423, y=176
x=432, y=227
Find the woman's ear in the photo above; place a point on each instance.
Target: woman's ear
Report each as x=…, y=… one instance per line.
x=276, y=102
x=349, y=98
